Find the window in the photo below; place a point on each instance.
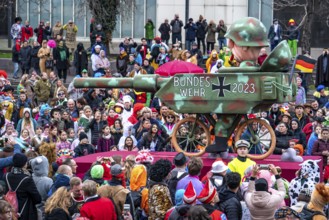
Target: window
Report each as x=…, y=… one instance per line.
x=56, y=14
x=126, y=27
x=34, y=14
x=79, y=18
x=45, y=10
x=67, y=11
x=22, y=12
x=139, y=19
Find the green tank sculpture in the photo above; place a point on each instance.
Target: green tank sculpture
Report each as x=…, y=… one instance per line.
x=229, y=95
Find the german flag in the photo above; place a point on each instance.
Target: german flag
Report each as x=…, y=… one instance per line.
x=305, y=64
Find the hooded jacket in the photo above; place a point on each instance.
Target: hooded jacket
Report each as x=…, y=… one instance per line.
x=262, y=204
x=83, y=150
x=230, y=204
x=40, y=168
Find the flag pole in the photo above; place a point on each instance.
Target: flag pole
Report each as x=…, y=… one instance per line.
x=292, y=71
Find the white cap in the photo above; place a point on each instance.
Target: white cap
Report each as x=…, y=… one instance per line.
x=218, y=167
x=242, y=143
x=126, y=98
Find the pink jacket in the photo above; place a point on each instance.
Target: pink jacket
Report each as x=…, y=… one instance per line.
x=262, y=205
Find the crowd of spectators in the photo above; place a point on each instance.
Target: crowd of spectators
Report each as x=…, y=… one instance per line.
x=45, y=125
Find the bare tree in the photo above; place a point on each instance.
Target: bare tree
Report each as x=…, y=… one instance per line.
x=106, y=12
x=308, y=9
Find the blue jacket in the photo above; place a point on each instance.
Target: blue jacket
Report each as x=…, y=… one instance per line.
x=311, y=141
x=191, y=29
x=19, y=125
x=8, y=161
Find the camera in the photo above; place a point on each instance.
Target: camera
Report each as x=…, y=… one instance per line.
x=263, y=166
x=3, y=141
x=126, y=209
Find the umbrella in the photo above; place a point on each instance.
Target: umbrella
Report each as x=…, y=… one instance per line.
x=174, y=67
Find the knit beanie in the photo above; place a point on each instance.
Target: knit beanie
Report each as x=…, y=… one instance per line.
x=82, y=136
x=19, y=160
x=261, y=185
x=97, y=172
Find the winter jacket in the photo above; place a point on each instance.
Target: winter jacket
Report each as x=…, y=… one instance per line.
x=149, y=30
x=310, y=143
x=121, y=64
x=221, y=31
x=27, y=192
x=149, y=69
x=176, y=25
x=83, y=150
x=25, y=54
x=40, y=168
x=262, y=205
x=201, y=29
x=96, y=129
x=230, y=204
x=298, y=134
x=191, y=29
x=164, y=29
x=293, y=33
x=211, y=33
x=159, y=201
x=60, y=180
x=97, y=208
x=282, y=141
x=80, y=57
x=104, y=144
x=42, y=90
x=61, y=62
x=34, y=57
x=56, y=214
x=318, y=147
x=197, y=184
x=15, y=55
x=214, y=213
x=146, y=141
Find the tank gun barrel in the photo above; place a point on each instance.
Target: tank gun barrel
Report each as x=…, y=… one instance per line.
x=142, y=83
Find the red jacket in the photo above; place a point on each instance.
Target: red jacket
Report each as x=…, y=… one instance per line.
x=98, y=209
x=27, y=33
x=308, y=129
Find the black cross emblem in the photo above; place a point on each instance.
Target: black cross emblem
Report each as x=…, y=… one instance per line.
x=221, y=87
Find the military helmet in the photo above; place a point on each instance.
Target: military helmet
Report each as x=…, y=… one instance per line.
x=248, y=32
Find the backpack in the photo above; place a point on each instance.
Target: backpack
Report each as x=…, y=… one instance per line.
x=136, y=197
x=172, y=183
x=307, y=214
x=11, y=197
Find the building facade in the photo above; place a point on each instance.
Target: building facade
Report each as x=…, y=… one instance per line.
x=132, y=25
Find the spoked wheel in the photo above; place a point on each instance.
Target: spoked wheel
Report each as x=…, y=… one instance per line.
x=260, y=136
x=190, y=136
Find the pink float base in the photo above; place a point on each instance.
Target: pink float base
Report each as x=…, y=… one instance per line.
x=288, y=168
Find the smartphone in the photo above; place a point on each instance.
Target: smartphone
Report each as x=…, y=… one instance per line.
x=263, y=166
x=126, y=209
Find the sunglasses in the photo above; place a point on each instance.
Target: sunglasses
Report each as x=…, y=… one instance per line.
x=170, y=117
x=60, y=93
